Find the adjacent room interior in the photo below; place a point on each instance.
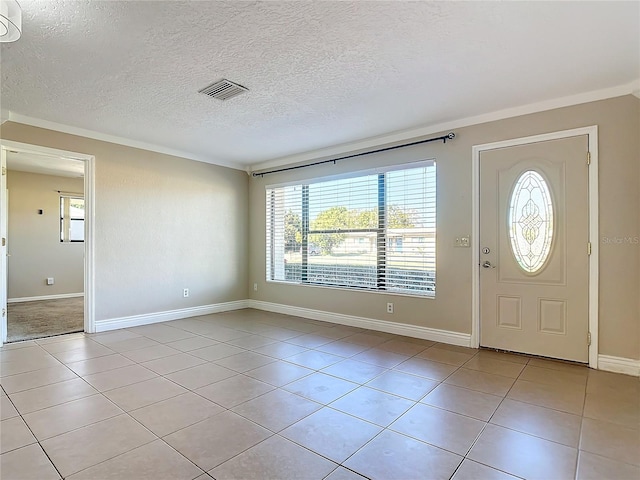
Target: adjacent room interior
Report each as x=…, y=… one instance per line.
x=320, y=240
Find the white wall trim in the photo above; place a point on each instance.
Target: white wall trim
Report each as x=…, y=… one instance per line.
x=404, y=135
x=444, y=336
x=104, y=137
x=89, y=224
x=166, y=316
x=592, y=134
x=45, y=297
x=627, y=366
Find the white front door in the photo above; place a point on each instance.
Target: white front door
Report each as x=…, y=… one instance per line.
x=534, y=233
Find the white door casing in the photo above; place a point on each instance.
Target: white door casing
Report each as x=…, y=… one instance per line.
x=89, y=260
x=565, y=286
x=3, y=246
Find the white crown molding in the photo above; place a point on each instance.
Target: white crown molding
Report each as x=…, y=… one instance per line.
x=404, y=135
x=627, y=366
x=45, y=297
x=104, y=137
x=443, y=336
x=156, y=317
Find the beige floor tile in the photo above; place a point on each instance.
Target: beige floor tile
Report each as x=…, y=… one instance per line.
x=119, y=377
x=154, y=461
x=70, y=344
x=279, y=373
x=277, y=409
x=16, y=367
x=342, y=473
x=342, y=348
x=392, y=456
x=559, y=365
x=171, y=415
x=145, y=393
x=50, y=395
x=275, y=458
x=217, y=439
x=426, y=368
x=523, y=455
x=74, y=451
x=310, y=340
x=470, y=470
x=402, y=347
x=23, y=354
x=381, y=358
x=216, y=352
x=251, y=342
x=610, y=440
x=332, y=434
x=595, y=467
x=403, y=384
x=18, y=345
x=27, y=463
x=91, y=350
x=222, y=334
x=616, y=409
x=460, y=400
x=373, y=405
x=14, y=433
x=162, y=333
x=245, y=361
x=60, y=338
x=132, y=344
x=100, y=364
x=504, y=356
x=354, y=371
x=7, y=410
x=613, y=384
x=367, y=339
x=107, y=338
x=321, y=388
x=489, y=364
x=480, y=381
x=193, y=343
x=173, y=363
x=141, y=355
x=542, y=422
x=38, y=378
x=535, y=374
x=453, y=432
x=69, y=416
x=567, y=398
x=444, y=355
x=314, y=359
x=280, y=350
x=200, y=376
x=234, y=390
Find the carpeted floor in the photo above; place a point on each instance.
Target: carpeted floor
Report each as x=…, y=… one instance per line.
x=44, y=318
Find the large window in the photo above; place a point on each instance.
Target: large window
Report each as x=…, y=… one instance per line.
x=71, y=218
x=374, y=231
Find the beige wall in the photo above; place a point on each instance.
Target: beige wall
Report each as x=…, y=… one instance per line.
x=34, y=239
x=162, y=224
x=619, y=131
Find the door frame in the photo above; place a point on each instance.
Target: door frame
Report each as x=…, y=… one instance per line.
x=592, y=135
x=89, y=226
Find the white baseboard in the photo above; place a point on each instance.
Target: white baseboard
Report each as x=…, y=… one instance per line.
x=627, y=366
x=444, y=336
x=45, y=297
x=148, y=318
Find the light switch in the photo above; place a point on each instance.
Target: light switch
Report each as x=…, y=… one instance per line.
x=462, y=242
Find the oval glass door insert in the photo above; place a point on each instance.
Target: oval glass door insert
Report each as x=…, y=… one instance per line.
x=530, y=221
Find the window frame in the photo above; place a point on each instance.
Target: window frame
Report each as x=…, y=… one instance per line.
x=380, y=230
x=66, y=218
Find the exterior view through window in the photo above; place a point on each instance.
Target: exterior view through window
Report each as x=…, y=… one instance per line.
x=374, y=231
x=71, y=219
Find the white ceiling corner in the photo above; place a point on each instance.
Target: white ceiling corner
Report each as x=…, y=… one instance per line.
x=322, y=76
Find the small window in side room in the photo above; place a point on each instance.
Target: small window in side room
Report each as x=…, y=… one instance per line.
x=71, y=219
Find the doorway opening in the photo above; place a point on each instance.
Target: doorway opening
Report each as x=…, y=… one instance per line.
x=46, y=200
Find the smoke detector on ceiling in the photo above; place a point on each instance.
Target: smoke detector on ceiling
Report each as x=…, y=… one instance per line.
x=223, y=90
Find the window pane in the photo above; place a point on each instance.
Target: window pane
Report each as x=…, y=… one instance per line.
x=76, y=208
x=76, y=230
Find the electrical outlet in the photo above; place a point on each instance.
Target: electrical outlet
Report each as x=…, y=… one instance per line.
x=255, y=287
x=389, y=307
x=50, y=281
x=185, y=292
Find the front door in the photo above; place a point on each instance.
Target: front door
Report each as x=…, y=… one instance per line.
x=534, y=232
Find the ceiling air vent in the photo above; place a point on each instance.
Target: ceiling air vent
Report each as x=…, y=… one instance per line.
x=223, y=90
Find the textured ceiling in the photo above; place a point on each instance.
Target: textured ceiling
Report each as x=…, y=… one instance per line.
x=320, y=73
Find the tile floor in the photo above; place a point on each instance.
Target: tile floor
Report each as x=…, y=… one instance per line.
x=256, y=395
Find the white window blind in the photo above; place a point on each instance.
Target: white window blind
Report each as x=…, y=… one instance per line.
x=369, y=231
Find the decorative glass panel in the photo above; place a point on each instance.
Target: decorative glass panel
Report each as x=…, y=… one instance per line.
x=531, y=221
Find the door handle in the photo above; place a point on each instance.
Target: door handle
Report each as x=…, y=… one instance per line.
x=487, y=264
